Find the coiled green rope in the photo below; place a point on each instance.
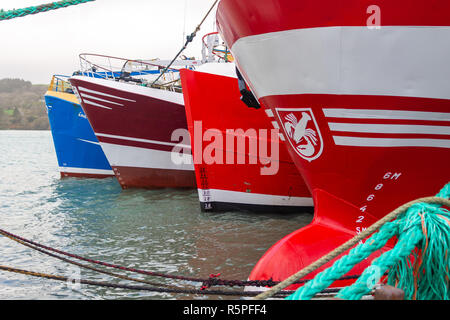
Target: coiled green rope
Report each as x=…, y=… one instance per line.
x=418, y=264
x=15, y=13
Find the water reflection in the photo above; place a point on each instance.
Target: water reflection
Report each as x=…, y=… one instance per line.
x=157, y=230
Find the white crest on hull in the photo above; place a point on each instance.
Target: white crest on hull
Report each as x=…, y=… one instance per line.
x=302, y=131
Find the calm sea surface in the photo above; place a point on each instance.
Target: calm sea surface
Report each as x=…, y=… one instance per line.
x=162, y=231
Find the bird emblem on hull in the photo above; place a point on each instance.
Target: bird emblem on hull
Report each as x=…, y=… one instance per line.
x=302, y=131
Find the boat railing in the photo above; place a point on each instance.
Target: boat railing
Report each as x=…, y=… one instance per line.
x=214, y=49
x=139, y=72
x=145, y=72
x=60, y=83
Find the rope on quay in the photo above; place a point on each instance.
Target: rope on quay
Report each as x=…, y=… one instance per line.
x=418, y=263
x=15, y=13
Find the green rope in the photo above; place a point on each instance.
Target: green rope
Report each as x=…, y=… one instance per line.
x=15, y=13
x=418, y=264
x=346, y=263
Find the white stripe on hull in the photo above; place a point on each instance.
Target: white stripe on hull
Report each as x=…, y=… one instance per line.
x=388, y=128
x=85, y=171
x=172, y=144
x=102, y=94
x=390, y=142
x=83, y=95
x=128, y=156
x=212, y=195
x=393, y=61
x=423, y=131
x=386, y=114
x=86, y=101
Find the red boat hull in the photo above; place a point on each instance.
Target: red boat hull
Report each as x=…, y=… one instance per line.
x=213, y=103
x=365, y=112
x=134, y=126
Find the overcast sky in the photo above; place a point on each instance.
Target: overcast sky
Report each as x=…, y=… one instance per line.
x=37, y=46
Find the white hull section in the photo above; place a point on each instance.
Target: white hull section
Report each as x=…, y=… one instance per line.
x=349, y=61
x=128, y=156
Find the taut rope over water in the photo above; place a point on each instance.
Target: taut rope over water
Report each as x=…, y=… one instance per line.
x=15, y=13
x=213, y=280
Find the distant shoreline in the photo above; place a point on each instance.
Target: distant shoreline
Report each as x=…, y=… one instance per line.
x=22, y=105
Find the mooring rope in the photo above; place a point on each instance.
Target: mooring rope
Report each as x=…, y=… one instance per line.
x=15, y=13
x=362, y=251
x=115, y=275
x=213, y=279
x=142, y=288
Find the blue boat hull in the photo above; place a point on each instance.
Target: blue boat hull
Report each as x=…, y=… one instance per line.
x=77, y=148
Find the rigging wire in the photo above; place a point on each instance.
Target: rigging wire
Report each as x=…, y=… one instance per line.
x=189, y=39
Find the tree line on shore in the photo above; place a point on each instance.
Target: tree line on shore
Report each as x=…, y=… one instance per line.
x=22, y=105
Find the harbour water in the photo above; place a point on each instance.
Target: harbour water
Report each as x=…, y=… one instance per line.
x=155, y=230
